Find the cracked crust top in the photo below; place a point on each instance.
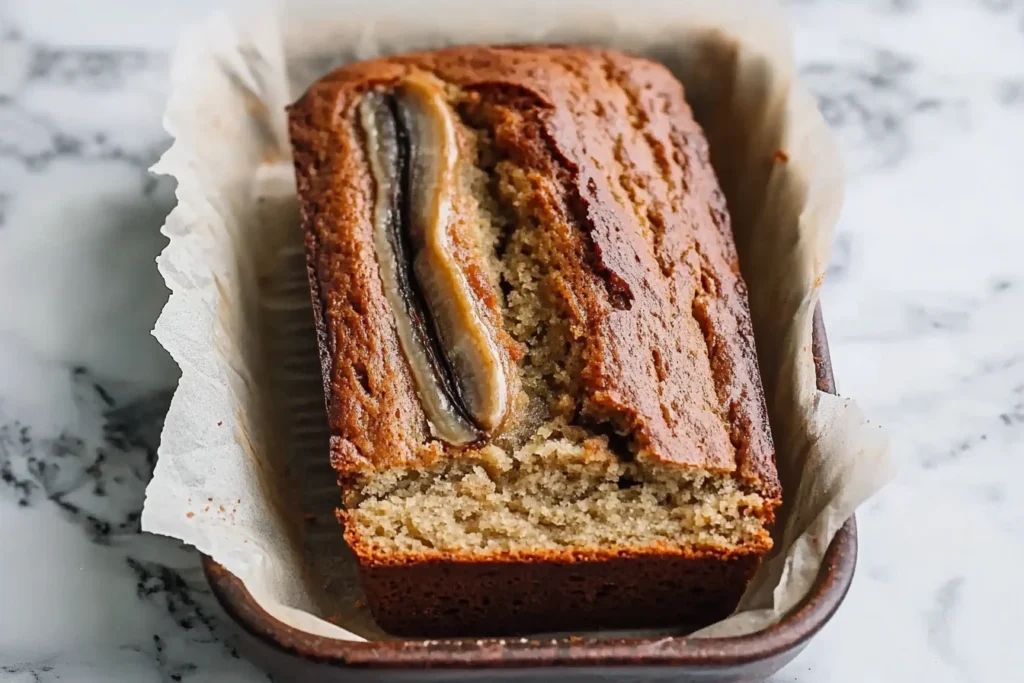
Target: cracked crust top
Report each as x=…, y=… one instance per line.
x=657, y=298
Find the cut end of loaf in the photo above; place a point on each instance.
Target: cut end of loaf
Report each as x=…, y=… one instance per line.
x=563, y=490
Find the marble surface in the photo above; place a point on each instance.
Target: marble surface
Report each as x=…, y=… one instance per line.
x=923, y=302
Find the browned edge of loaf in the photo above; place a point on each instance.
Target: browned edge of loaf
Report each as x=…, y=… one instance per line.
x=439, y=598
x=419, y=585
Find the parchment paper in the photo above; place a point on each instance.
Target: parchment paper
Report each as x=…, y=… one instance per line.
x=243, y=473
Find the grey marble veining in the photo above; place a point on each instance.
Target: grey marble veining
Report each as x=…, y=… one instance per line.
x=923, y=301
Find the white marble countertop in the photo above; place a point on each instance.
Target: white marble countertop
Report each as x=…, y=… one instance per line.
x=924, y=305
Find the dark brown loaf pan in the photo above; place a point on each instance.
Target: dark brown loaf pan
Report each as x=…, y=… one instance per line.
x=295, y=656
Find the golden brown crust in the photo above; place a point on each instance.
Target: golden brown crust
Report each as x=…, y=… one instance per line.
x=662, y=309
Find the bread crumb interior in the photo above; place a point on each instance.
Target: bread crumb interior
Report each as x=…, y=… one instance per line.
x=563, y=489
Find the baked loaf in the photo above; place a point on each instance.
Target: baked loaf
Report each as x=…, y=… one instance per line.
x=539, y=368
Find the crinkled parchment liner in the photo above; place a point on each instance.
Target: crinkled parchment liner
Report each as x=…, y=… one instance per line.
x=242, y=472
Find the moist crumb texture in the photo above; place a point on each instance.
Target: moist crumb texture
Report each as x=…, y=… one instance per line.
x=562, y=490
x=585, y=219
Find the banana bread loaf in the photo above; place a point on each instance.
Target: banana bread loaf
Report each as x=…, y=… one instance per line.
x=538, y=362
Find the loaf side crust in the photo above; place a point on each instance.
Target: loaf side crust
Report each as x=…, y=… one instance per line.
x=439, y=598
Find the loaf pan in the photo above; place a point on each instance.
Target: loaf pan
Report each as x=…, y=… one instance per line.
x=294, y=656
